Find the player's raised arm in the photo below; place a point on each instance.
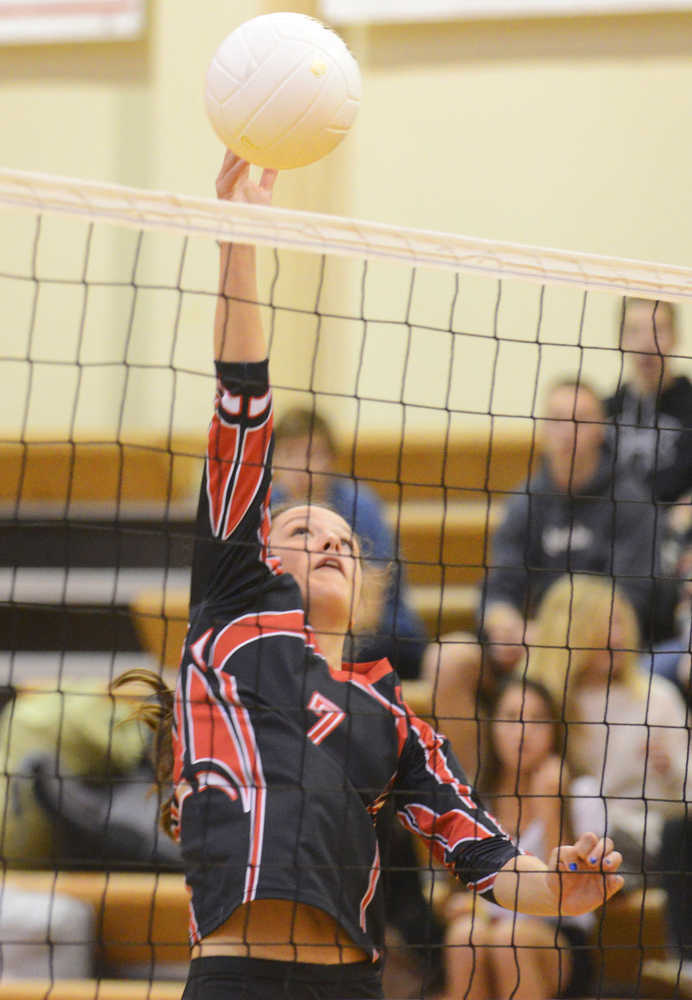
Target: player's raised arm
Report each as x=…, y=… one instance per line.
x=238, y=333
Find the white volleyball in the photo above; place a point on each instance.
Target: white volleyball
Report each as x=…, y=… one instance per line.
x=282, y=90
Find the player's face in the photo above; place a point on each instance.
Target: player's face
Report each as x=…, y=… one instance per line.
x=318, y=548
x=301, y=466
x=648, y=336
x=574, y=426
x=523, y=732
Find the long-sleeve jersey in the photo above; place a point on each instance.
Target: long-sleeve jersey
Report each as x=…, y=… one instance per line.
x=281, y=762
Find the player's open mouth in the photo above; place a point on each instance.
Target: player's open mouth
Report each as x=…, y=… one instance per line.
x=330, y=562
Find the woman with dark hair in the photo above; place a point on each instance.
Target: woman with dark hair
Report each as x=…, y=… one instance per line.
x=492, y=953
x=282, y=753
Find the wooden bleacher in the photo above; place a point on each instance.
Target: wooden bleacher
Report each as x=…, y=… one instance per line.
x=94, y=471
x=435, y=491
x=142, y=919
x=89, y=989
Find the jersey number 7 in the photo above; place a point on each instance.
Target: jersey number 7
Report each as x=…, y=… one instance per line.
x=330, y=717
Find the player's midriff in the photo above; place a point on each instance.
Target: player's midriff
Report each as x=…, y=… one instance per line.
x=284, y=931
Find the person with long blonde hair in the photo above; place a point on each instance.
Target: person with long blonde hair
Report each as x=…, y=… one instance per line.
x=627, y=739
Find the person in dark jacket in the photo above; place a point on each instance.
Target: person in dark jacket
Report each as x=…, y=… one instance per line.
x=578, y=513
x=652, y=407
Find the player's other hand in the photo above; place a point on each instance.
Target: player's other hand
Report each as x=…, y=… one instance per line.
x=235, y=184
x=582, y=876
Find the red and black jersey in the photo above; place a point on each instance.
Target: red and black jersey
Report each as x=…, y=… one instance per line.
x=281, y=763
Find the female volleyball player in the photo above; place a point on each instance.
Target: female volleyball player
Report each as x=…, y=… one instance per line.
x=283, y=754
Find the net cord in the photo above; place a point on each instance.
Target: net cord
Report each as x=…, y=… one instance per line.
x=330, y=234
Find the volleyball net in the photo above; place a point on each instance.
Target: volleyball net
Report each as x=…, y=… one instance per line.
x=431, y=358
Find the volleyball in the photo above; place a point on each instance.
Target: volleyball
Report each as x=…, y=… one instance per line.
x=282, y=90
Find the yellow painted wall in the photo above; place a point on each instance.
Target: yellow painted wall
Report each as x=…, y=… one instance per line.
x=564, y=132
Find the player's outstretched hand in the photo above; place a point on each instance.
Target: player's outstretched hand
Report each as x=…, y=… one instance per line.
x=234, y=182
x=581, y=876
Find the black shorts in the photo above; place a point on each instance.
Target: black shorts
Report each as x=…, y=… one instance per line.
x=219, y=977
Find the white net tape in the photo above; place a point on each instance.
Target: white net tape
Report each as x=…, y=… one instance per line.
x=318, y=233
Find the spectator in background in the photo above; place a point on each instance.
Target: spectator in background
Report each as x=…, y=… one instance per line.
x=305, y=466
x=576, y=514
x=652, y=408
x=523, y=775
x=627, y=738
x=627, y=742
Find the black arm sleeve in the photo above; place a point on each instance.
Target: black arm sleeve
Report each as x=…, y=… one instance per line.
x=230, y=554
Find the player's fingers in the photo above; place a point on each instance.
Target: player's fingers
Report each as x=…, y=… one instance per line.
x=229, y=161
x=564, y=858
x=612, y=861
x=587, y=852
x=236, y=171
x=586, y=845
x=268, y=179
x=593, y=855
x=613, y=884
x=233, y=170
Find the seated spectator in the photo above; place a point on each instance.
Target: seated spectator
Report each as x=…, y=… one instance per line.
x=576, y=514
x=652, y=407
x=627, y=738
x=522, y=777
x=304, y=466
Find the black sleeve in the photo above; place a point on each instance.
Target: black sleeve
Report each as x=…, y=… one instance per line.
x=230, y=553
x=434, y=800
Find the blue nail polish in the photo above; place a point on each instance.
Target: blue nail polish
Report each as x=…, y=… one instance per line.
x=592, y=861
x=573, y=866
